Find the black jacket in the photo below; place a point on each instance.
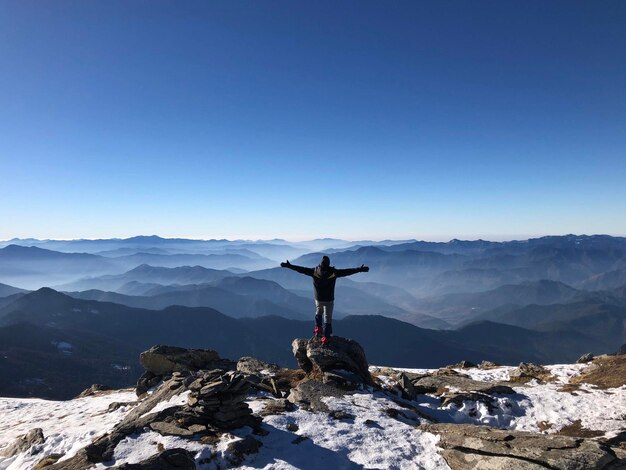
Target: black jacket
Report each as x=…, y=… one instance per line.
x=324, y=279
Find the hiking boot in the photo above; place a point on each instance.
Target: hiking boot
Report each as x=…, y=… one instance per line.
x=317, y=331
x=325, y=340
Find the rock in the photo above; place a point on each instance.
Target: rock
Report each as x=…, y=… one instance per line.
x=292, y=427
x=585, y=358
x=169, y=429
x=340, y=355
x=309, y=393
x=406, y=387
x=93, y=390
x=528, y=371
x=439, y=384
x=339, y=414
x=146, y=382
x=116, y=405
x=47, y=461
x=171, y=459
x=299, y=347
x=488, y=365
x=239, y=449
x=164, y=360
x=250, y=365
x=462, y=365
x=467, y=446
x=197, y=428
x=622, y=349
x=24, y=442
x=457, y=399
x=275, y=407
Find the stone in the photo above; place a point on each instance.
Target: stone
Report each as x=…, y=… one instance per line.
x=467, y=446
x=47, y=461
x=462, y=365
x=340, y=355
x=278, y=406
x=251, y=365
x=293, y=427
x=528, y=371
x=339, y=415
x=488, y=365
x=197, y=428
x=170, y=459
x=310, y=392
x=164, y=360
x=146, y=382
x=22, y=443
x=116, y=405
x=169, y=429
x=247, y=445
x=299, y=346
x=585, y=358
x=93, y=390
x=406, y=387
x=439, y=384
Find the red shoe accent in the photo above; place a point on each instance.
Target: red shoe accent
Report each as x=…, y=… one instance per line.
x=318, y=330
x=325, y=340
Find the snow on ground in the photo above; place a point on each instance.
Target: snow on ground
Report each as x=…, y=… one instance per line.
x=599, y=410
x=381, y=434
x=305, y=440
x=67, y=425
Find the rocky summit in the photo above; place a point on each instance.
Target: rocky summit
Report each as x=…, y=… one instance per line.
x=193, y=409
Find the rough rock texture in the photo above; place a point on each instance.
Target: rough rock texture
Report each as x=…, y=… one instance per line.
x=309, y=394
x=528, y=371
x=25, y=442
x=163, y=360
x=342, y=362
x=444, y=380
x=93, y=390
x=585, y=358
x=178, y=459
x=217, y=399
x=467, y=446
x=251, y=365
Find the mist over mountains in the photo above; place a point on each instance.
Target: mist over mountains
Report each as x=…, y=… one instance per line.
x=423, y=304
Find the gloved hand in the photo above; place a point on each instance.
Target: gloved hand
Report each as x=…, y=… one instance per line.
x=285, y=265
x=364, y=269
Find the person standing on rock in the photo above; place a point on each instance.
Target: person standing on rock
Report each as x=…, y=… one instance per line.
x=324, y=277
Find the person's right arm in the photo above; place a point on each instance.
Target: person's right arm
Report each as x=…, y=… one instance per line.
x=299, y=269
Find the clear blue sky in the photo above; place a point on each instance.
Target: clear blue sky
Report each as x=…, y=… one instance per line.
x=264, y=119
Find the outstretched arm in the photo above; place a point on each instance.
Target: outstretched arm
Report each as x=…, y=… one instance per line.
x=298, y=269
x=351, y=271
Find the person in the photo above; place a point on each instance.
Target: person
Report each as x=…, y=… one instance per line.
x=324, y=278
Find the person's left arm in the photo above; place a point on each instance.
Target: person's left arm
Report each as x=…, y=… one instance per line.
x=351, y=271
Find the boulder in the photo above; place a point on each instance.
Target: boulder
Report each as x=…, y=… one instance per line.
x=488, y=365
x=343, y=357
x=462, y=365
x=164, y=360
x=24, y=442
x=310, y=393
x=441, y=383
x=528, y=371
x=251, y=365
x=585, y=358
x=467, y=446
x=170, y=459
x=93, y=390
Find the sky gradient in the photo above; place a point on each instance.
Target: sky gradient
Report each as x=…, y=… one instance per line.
x=357, y=120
